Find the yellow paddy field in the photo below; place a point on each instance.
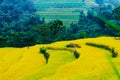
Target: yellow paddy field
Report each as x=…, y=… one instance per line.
x=93, y=64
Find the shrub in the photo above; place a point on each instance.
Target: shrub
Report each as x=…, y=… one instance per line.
x=76, y=54
x=43, y=49
x=114, y=53
x=46, y=55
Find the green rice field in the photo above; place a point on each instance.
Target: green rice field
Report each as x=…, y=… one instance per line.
x=67, y=15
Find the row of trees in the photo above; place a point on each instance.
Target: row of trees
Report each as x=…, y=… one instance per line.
x=20, y=26
x=90, y=26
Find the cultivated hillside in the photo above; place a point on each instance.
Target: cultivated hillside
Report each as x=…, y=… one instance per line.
x=94, y=63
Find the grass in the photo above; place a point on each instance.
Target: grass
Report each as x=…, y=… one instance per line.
x=93, y=64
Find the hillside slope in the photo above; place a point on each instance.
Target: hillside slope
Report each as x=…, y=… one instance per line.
x=93, y=64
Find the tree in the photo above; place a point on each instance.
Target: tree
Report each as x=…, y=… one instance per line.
x=116, y=13
x=100, y=2
x=50, y=32
x=16, y=19
x=2, y=41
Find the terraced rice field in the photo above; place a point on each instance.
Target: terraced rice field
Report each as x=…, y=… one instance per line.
x=67, y=15
x=93, y=64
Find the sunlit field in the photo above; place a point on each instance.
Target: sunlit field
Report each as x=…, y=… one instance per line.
x=59, y=39
x=93, y=64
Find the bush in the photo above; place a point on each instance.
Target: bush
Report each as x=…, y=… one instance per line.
x=76, y=54
x=46, y=55
x=114, y=53
x=43, y=49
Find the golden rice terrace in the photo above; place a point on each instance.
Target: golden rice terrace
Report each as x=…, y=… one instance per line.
x=96, y=61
